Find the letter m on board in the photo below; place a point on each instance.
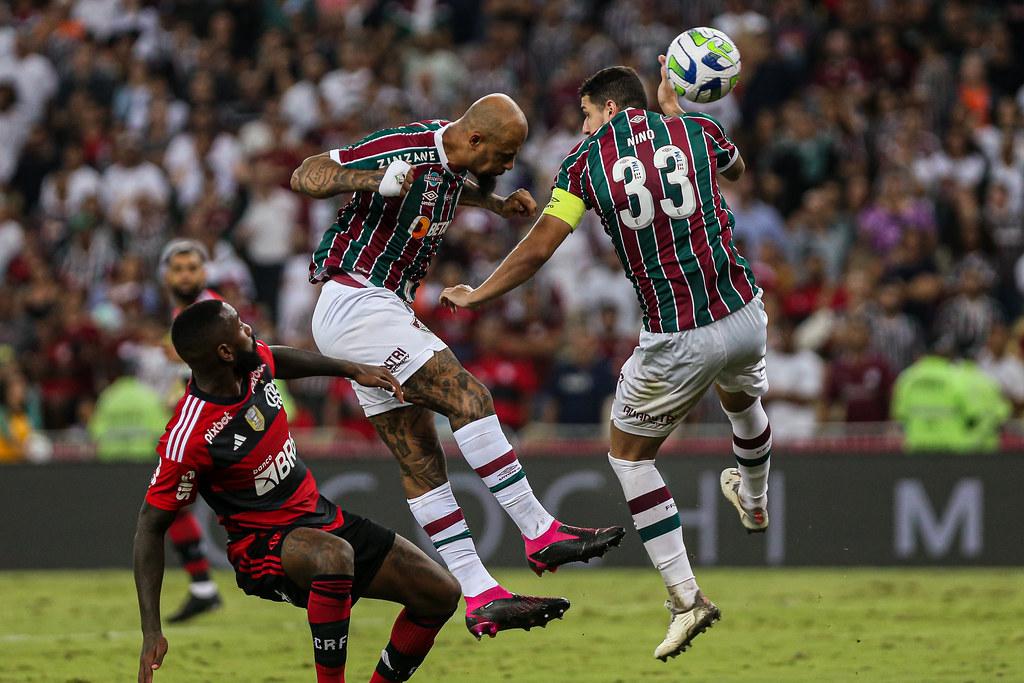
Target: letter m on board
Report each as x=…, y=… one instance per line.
x=915, y=519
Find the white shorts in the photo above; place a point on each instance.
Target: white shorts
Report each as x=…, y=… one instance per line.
x=669, y=372
x=371, y=325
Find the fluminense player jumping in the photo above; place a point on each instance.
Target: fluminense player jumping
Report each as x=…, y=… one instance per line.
x=408, y=182
x=229, y=442
x=653, y=180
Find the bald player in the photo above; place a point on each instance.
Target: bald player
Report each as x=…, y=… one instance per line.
x=407, y=183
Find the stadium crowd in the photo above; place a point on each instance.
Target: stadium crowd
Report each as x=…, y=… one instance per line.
x=882, y=209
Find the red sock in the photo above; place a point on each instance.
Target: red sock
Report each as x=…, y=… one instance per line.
x=185, y=537
x=330, y=604
x=411, y=640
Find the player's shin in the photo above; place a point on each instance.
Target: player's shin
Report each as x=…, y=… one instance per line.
x=411, y=640
x=489, y=453
x=752, y=446
x=440, y=516
x=330, y=604
x=657, y=521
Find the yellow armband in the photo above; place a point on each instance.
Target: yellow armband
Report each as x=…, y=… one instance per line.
x=566, y=206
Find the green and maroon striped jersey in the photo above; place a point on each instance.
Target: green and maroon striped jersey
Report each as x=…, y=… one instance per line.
x=390, y=240
x=652, y=179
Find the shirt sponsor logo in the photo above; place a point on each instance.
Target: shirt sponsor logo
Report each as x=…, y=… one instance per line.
x=275, y=468
x=254, y=378
x=185, y=486
x=255, y=419
x=433, y=178
x=422, y=227
x=217, y=427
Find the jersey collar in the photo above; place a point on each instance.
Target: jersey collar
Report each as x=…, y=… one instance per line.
x=439, y=143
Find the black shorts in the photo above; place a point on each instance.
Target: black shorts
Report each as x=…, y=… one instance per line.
x=258, y=570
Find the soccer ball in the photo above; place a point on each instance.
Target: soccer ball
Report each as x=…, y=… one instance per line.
x=703, y=64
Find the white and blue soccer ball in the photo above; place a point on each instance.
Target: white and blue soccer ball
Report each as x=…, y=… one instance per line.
x=703, y=64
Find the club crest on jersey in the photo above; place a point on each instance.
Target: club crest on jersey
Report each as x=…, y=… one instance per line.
x=272, y=395
x=255, y=418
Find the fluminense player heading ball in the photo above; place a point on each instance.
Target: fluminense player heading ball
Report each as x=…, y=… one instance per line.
x=653, y=180
x=408, y=183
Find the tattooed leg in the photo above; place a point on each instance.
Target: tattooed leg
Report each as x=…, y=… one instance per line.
x=411, y=436
x=310, y=552
x=445, y=387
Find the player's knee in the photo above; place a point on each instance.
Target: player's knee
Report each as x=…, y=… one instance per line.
x=443, y=599
x=337, y=557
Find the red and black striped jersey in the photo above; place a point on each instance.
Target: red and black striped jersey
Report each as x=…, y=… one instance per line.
x=391, y=240
x=239, y=455
x=653, y=181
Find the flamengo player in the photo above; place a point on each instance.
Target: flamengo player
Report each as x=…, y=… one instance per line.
x=653, y=180
x=182, y=264
x=371, y=261
x=229, y=442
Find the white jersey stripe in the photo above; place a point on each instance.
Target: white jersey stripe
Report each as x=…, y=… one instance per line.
x=173, y=438
x=188, y=424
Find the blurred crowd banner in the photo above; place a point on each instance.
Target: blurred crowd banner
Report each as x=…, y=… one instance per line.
x=866, y=508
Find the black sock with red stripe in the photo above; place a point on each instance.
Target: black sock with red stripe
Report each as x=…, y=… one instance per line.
x=411, y=640
x=330, y=604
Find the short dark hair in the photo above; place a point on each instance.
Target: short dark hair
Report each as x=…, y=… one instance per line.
x=620, y=84
x=194, y=331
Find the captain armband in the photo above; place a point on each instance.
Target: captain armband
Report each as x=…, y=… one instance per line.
x=566, y=206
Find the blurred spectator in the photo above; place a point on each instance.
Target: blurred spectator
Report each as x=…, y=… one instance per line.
x=858, y=382
x=580, y=382
x=965, y=321
x=19, y=440
x=510, y=378
x=796, y=381
x=894, y=334
x=1001, y=360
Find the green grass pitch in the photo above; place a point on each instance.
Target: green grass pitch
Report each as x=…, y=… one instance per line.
x=778, y=625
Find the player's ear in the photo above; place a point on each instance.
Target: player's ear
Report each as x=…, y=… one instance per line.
x=611, y=108
x=475, y=138
x=226, y=353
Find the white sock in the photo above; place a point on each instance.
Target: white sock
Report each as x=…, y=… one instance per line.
x=440, y=516
x=489, y=453
x=655, y=517
x=752, y=446
x=203, y=589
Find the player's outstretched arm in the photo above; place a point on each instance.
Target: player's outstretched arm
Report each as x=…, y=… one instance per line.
x=149, y=576
x=519, y=266
x=519, y=204
x=320, y=176
x=291, y=363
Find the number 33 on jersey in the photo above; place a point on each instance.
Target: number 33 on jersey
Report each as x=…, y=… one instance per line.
x=652, y=179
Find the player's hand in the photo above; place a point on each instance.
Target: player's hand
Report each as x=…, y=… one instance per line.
x=154, y=647
x=519, y=204
x=374, y=376
x=459, y=296
x=410, y=176
x=668, y=98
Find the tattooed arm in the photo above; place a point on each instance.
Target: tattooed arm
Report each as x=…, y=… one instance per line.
x=320, y=176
